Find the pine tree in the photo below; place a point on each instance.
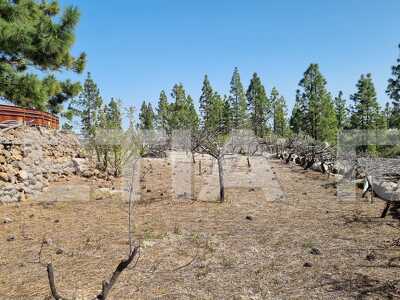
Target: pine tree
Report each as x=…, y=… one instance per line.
x=35, y=36
x=87, y=107
x=314, y=95
x=227, y=119
x=114, y=114
x=182, y=110
x=328, y=122
x=215, y=118
x=259, y=106
x=365, y=109
x=192, y=118
x=238, y=102
x=163, y=112
x=387, y=115
x=298, y=117
x=341, y=111
x=146, y=116
x=279, y=113
x=393, y=90
x=207, y=94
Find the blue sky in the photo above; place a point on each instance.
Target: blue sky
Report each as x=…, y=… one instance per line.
x=137, y=48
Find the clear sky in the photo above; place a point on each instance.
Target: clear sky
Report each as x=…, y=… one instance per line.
x=136, y=48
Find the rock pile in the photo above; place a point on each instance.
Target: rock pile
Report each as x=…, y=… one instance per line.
x=31, y=157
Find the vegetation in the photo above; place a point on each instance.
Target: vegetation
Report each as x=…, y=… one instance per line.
x=259, y=106
x=35, y=36
x=393, y=90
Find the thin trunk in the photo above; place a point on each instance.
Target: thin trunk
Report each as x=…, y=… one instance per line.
x=193, y=158
x=220, y=160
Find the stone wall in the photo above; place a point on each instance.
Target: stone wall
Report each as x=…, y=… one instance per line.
x=31, y=158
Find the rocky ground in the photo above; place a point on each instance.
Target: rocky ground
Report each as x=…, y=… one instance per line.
x=281, y=234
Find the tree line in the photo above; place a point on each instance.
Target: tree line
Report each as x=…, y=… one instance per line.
x=315, y=112
x=36, y=35
x=241, y=109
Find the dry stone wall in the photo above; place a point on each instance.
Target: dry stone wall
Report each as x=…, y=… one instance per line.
x=31, y=158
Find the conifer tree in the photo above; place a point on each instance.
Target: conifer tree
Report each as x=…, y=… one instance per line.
x=183, y=114
x=341, y=111
x=146, y=116
x=207, y=94
x=279, y=113
x=227, y=119
x=238, y=102
x=114, y=114
x=36, y=37
x=259, y=106
x=163, y=112
x=215, y=118
x=393, y=90
x=387, y=115
x=328, y=122
x=193, y=121
x=87, y=107
x=365, y=111
x=365, y=108
x=298, y=117
x=314, y=95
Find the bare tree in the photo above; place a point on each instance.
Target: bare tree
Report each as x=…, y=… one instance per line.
x=123, y=264
x=212, y=142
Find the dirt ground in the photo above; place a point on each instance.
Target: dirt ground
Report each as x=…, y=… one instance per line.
x=281, y=234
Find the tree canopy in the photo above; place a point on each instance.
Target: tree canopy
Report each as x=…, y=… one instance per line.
x=35, y=35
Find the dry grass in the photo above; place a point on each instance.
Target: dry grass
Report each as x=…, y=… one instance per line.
x=247, y=248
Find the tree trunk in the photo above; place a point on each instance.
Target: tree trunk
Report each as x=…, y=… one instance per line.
x=193, y=158
x=220, y=161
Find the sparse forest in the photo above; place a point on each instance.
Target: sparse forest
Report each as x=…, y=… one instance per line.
x=251, y=193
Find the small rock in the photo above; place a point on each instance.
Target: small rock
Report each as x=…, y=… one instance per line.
x=304, y=193
x=4, y=176
x=148, y=190
x=56, y=221
x=252, y=189
x=48, y=241
x=307, y=265
x=11, y=238
x=59, y=251
x=23, y=175
x=315, y=251
x=371, y=256
x=250, y=218
x=7, y=220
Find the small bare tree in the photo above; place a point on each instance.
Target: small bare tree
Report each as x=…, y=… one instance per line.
x=212, y=142
x=129, y=143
